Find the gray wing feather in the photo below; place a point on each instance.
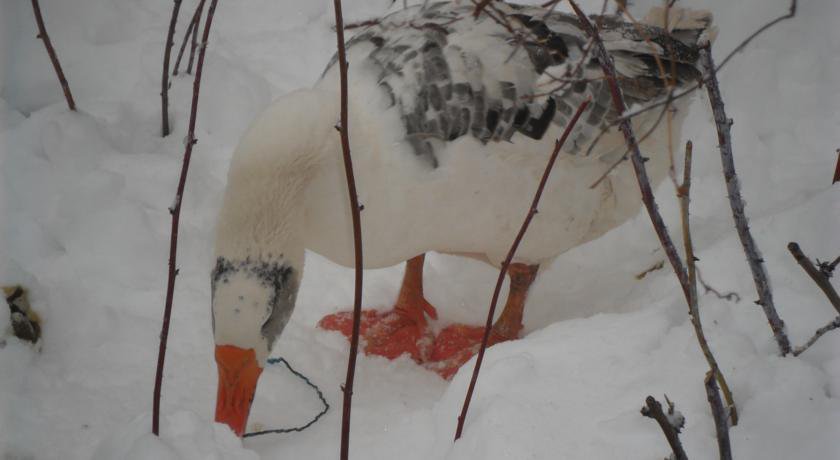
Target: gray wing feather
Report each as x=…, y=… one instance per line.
x=445, y=91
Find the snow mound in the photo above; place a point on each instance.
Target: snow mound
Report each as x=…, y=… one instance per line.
x=184, y=436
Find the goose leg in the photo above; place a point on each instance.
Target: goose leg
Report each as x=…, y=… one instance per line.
x=457, y=343
x=404, y=329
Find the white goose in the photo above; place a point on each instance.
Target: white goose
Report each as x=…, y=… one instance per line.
x=452, y=120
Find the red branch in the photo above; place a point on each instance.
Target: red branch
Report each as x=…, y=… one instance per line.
x=164, y=80
x=357, y=235
x=192, y=29
x=42, y=34
x=194, y=41
x=491, y=313
x=479, y=7
x=175, y=211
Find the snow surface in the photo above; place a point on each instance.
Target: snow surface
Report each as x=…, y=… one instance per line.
x=84, y=197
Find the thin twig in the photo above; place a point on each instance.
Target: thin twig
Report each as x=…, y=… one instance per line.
x=183, y=47
x=194, y=41
x=684, y=195
x=42, y=34
x=689, y=288
x=623, y=157
x=820, y=277
x=791, y=13
x=733, y=187
x=836, y=170
x=511, y=252
x=357, y=235
x=649, y=201
x=479, y=7
x=164, y=81
x=817, y=275
x=730, y=296
x=819, y=333
x=651, y=269
x=192, y=28
x=827, y=268
x=719, y=414
x=365, y=23
x=175, y=211
x=653, y=409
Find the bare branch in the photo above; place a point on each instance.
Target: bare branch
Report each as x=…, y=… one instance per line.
x=366, y=23
x=671, y=424
x=635, y=155
x=357, y=235
x=687, y=284
x=719, y=414
x=194, y=40
x=683, y=193
x=820, y=277
x=733, y=187
x=731, y=296
x=164, y=80
x=791, y=13
x=819, y=333
x=42, y=34
x=817, y=275
x=479, y=7
x=623, y=157
x=175, y=211
x=827, y=268
x=531, y=212
x=651, y=269
x=192, y=29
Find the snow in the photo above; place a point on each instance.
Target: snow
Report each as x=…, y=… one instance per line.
x=85, y=196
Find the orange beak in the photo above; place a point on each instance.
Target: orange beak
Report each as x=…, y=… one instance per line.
x=238, y=375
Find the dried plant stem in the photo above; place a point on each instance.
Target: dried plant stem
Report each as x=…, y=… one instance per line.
x=733, y=187
x=821, y=279
x=790, y=14
x=819, y=333
x=357, y=235
x=684, y=195
x=506, y=263
x=689, y=288
x=653, y=409
x=175, y=211
x=719, y=415
x=164, y=80
x=815, y=274
x=635, y=155
x=42, y=34
x=730, y=296
x=192, y=30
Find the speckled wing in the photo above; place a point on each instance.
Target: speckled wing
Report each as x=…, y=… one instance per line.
x=514, y=70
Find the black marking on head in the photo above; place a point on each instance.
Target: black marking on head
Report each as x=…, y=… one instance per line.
x=277, y=276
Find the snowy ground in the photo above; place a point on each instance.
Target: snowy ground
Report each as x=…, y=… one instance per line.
x=84, y=197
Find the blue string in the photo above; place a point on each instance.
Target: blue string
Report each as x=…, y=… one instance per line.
x=308, y=382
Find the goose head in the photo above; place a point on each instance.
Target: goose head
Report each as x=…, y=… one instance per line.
x=260, y=244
